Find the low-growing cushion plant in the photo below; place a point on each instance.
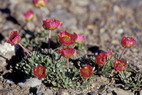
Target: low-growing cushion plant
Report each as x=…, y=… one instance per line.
x=56, y=68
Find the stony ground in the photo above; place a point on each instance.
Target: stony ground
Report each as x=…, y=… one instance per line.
x=104, y=22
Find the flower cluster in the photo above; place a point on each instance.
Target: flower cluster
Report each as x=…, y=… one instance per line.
x=49, y=66
x=67, y=50
x=102, y=57
x=108, y=61
x=30, y=15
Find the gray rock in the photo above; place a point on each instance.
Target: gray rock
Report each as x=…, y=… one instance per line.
x=32, y=82
x=119, y=91
x=91, y=93
x=141, y=92
x=81, y=94
x=9, y=93
x=9, y=81
x=67, y=18
x=63, y=92
x=6, y=52
x=30, y=26
x=82, y=2
x=43, y=90
x=40, y=93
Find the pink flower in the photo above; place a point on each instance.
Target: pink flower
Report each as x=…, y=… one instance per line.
x=40, y=3
x=86, y=71
x=67, y=52
x=120, y=65
x=40, y=72
x=80, y=38
x=52, y=24
x=29, y=15
x=109, y=54
x=14, y=38
x=128, y=42
x=101, y=59
x=66, y=38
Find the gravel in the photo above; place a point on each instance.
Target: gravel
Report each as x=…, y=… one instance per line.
x=104, y=22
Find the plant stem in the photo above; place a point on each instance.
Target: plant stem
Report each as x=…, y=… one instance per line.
x=41, y=13
x=49, y=38
x=24, y=49
x=3, y=57
x=68, y=64
x=122, y=53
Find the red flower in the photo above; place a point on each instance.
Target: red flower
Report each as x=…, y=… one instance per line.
x=120, y=64
x=40, y=3
x=128, y=42
x=86, y=71
x=14, y=38
x=29, y=15
x=67, y=52
x=52, y=24
x=101, y=59
x=39, y=72
x=80, y=38
x=66, y=38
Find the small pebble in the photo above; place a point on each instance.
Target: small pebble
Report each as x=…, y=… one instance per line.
x=91, y=93
x=32, y=82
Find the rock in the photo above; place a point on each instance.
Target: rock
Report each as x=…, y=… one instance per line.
x=82, y=2
x=30, y=26
x=32, y=82
x=43, y=90
x=119, y=91
x=115, y=42
x=47, y=92
x=6, y=48
x=120, y=31
x=141, y=92
x=9, y=81
x=117, y=9
x=102, y=89
x=105, y=37
x=81, y=94
x=91, y=93
x=63, y=93
x=40, y=93
x=6, y=52
x=67, y=18
x=9, y=93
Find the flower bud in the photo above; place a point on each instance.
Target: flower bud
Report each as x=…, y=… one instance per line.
x=40, y=3
x=128, y=42
x=67, y=52
x=14, y=38
x=52, y=24
x=29, y=15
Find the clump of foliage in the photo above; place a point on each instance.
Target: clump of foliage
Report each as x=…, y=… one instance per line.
x=56, y=69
